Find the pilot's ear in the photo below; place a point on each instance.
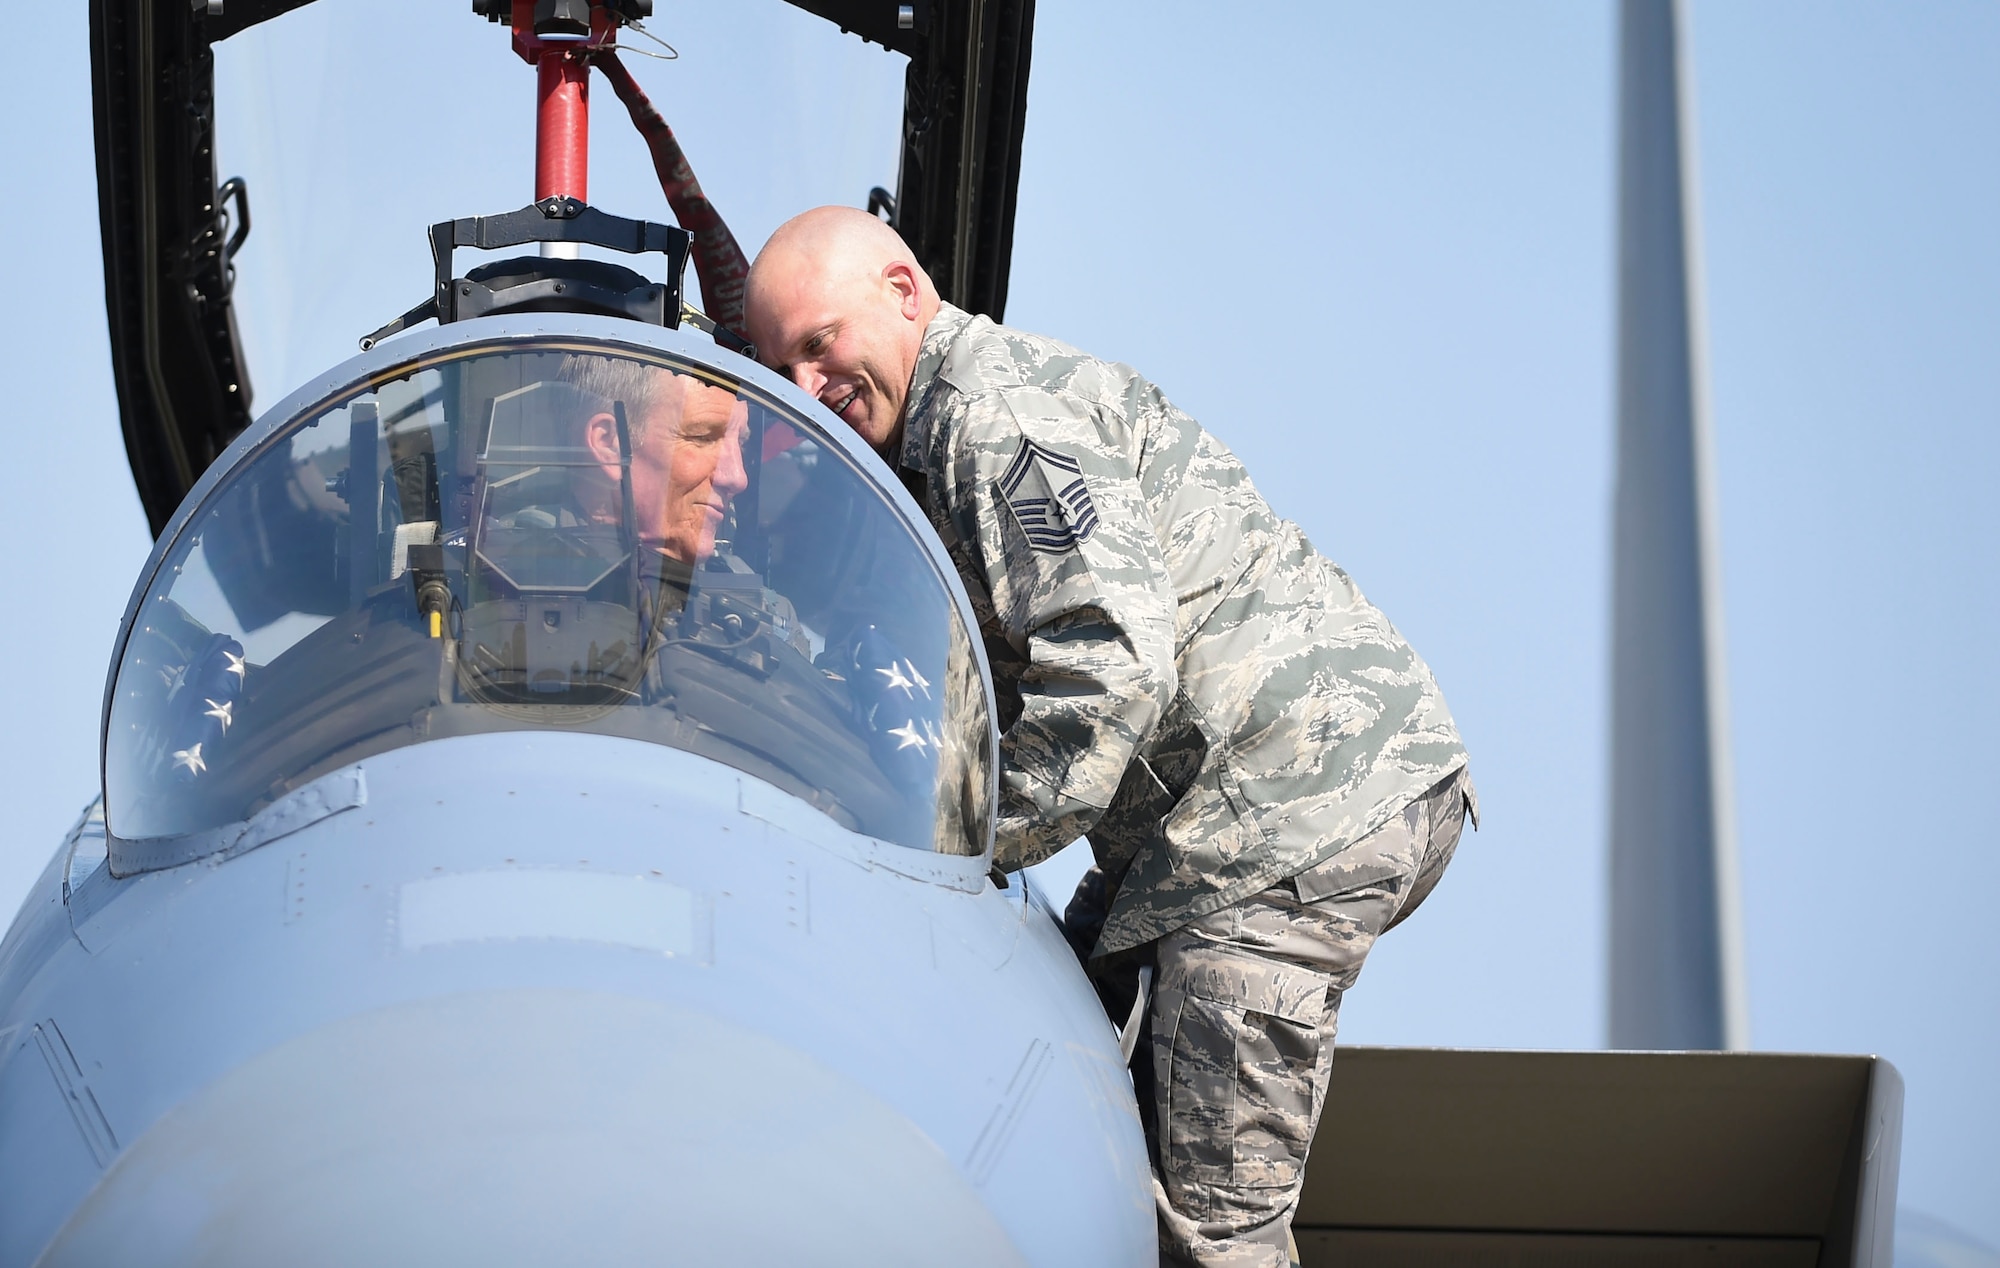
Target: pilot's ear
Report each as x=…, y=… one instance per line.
x=600, y=436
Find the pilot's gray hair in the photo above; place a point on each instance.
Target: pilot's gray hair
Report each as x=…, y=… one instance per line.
x=602, y=380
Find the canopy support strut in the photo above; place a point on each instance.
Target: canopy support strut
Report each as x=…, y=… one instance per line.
x=562, y=126
x=557, y=38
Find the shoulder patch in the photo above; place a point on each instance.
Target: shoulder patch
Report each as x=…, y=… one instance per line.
x=1044, y=488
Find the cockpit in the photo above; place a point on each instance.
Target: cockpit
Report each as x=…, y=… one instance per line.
x=548, y=532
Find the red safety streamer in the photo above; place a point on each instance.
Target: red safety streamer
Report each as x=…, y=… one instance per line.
x=718, y=261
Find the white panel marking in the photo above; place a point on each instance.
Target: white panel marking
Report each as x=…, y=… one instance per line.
x=626, y=911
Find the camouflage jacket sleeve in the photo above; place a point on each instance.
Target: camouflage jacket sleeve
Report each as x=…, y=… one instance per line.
x=1045, y=489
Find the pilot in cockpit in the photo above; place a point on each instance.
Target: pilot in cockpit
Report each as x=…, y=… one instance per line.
x=560, y=536
x=558, y=513
x=686, y=452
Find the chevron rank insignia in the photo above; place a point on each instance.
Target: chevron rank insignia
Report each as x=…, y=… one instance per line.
x=1045, y=490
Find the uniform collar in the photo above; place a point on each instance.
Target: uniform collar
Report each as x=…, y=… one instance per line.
x=938, y=338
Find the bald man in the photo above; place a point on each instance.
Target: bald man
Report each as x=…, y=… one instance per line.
x=1266, y=771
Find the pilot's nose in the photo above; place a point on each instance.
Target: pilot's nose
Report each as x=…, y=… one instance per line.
x=809, y=379
x=730, y=478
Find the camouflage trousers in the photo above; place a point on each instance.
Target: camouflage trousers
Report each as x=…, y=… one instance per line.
x=1242, y=1021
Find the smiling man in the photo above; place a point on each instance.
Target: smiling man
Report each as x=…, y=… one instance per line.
x=1266, y=771
x=687, y=451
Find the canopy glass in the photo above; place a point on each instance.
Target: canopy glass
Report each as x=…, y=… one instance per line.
x=537, y=533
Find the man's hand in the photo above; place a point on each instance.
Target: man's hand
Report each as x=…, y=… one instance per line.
x=1083, y=919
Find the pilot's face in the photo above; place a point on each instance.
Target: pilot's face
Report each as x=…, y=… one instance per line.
x=687, y=470
x=687, y=467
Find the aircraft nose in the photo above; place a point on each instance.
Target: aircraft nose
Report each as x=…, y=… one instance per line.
x=532, y=1127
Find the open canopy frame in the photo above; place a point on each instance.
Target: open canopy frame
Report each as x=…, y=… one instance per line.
x=183, y=387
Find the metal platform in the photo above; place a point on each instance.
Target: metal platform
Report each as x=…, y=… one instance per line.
x=1448, y=1158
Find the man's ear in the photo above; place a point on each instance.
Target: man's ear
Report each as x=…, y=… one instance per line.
x=902, y=282
x=600, y=437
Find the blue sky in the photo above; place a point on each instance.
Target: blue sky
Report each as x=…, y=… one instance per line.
x=1371, y=248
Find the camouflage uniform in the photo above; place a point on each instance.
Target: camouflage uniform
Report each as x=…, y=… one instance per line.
x=1181, y=676
x=1241, y=1026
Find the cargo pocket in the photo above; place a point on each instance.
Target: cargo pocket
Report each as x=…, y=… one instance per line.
x=1240, y=1061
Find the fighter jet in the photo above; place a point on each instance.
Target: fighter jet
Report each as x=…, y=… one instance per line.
x=547, y=816
x=547, y=802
